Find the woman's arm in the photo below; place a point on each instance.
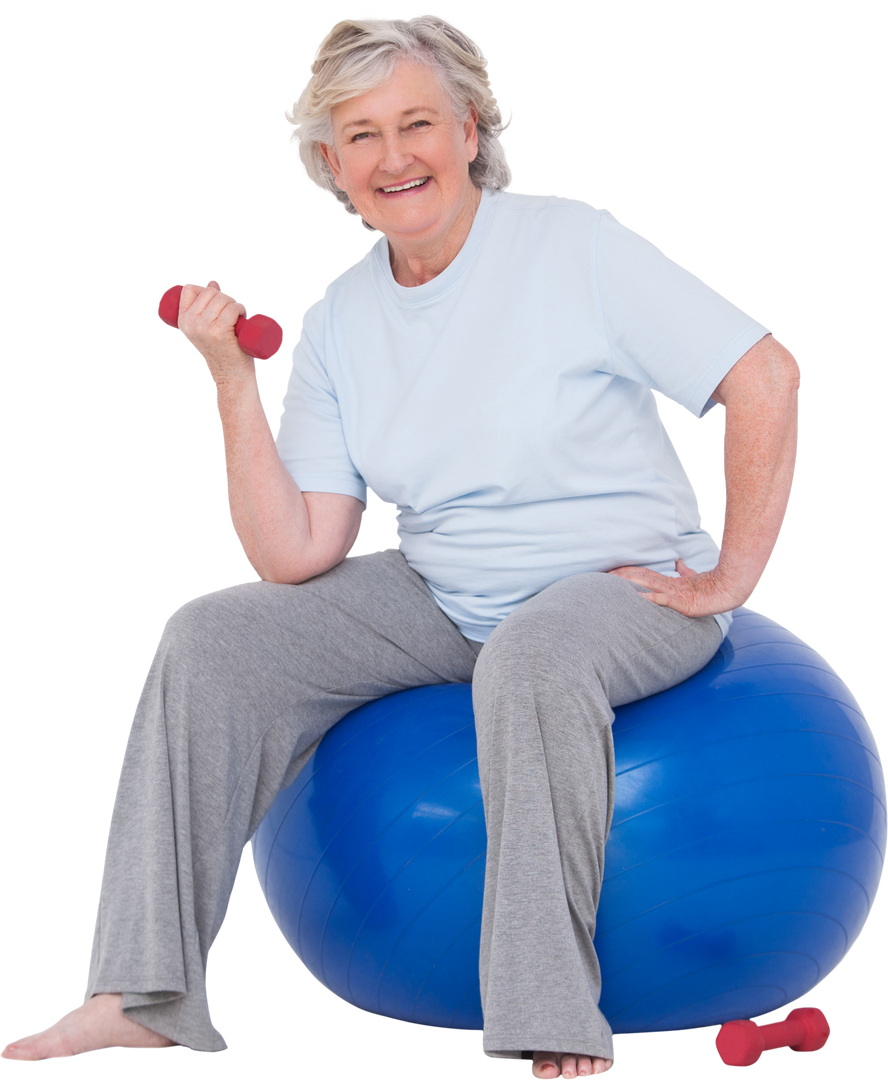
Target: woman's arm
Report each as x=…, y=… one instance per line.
x=760, y=398
x=269, y=514
x=760, y=395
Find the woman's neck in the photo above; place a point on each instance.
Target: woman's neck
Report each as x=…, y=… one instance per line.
x=416, y=266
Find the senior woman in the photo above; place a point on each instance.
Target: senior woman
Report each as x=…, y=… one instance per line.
x=488, y=367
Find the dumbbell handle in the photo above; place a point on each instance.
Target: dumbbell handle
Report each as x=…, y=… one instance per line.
x=741, y=1042
x=258, y=336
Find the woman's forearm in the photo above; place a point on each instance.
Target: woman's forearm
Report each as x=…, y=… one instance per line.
x=761, y=426
x=267, y=508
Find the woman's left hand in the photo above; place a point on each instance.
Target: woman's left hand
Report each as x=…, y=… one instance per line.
x=692, y=594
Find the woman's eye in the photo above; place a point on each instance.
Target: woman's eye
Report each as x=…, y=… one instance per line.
x=360, y=135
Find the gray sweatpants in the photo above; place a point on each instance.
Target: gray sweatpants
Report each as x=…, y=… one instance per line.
x=245, y=683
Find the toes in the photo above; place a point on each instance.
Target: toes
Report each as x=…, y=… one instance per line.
x=549, y=1066
x=546, y=1065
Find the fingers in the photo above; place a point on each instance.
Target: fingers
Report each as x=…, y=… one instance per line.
x=207, y=316
x=193, y=301
x=200, y=297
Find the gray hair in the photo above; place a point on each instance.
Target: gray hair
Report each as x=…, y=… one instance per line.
x=360, y=55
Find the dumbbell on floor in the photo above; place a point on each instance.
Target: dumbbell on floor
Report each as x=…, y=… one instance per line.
x=741, y=1042
x=258, y=336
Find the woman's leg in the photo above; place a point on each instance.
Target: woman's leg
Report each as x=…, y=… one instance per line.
x=544, y=689
x=244, y=683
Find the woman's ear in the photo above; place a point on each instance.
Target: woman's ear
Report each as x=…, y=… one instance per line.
x=471, y=132
x=332, y=159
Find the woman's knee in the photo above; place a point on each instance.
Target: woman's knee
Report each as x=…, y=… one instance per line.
x=524, y=669
x=217, y=617
x=517, y=652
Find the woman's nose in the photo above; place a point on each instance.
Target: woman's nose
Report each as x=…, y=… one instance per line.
x=395, y=155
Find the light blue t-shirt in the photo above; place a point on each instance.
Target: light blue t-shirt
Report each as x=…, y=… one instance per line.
x=506, y=406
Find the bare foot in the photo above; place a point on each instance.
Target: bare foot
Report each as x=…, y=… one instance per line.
x=97, y=1024
x=547, y=1064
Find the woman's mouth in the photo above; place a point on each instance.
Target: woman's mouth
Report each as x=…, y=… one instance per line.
x=420, y=181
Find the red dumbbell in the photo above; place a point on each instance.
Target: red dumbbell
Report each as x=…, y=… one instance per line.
x=258, y=336
x=741, y=1042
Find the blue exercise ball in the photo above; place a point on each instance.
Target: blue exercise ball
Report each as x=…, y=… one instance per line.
x=745, y=852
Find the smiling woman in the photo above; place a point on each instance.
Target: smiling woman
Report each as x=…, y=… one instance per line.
x=487, y=367
x=357, y=57
x=406, y=171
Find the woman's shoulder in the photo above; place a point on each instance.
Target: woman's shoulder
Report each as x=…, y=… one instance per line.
x=540, y=224
x=546, y=220
x=344, y=289
x=512, y=201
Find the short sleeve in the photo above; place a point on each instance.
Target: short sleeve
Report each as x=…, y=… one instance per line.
x=666, y=329
x=311, y=442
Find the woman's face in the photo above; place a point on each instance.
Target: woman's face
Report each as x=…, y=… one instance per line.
x=403, y=158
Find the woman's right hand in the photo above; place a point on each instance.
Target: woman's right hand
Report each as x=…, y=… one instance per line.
x=207, y=317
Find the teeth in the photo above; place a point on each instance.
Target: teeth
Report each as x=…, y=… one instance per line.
x=404, y=187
